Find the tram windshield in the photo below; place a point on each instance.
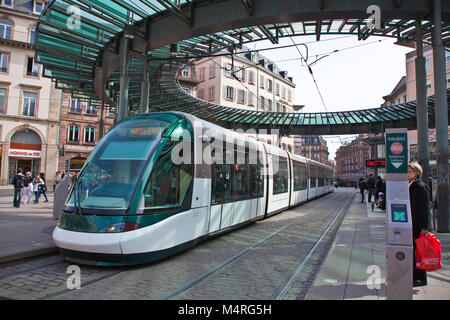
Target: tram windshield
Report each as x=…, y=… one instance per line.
x=112, y=171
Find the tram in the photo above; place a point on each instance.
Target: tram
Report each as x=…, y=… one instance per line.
x=159, y=183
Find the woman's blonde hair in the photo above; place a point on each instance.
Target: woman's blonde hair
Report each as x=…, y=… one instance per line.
x=417, y=169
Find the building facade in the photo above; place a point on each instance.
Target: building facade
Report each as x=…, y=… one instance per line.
x=351, y=161
x=247, y=80
x=79, y=130
x=315, y=148
x=29, y=103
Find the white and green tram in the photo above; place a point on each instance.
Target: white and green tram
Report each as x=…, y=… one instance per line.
x=159, y=183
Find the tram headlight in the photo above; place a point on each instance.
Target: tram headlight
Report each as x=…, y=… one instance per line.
x=117, y=227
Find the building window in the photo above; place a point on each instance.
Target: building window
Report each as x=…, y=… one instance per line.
x=240, y=74
x=269, y=85
x=277, y=88
x=90, y=109
x=241, y=96
x=5, y=29
x=201, y=74
x=38, y=6
x=75, y=105
x=211, y=93
x=29, y=103
x=7, y=3
x=251, y=77
x=427, y=63
x=32, y=68
x=250, y=99
x=89, y=135
x=228, y=70
x=185, y=73
x=428, y=83
x=229, y=93
x=261, y=81
x=4, y=58
x=2, y=100
x=212, y=70
x=32, y=34
x=74, y=134
x=200, y=93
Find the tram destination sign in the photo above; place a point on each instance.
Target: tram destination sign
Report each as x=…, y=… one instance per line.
x=397, y=152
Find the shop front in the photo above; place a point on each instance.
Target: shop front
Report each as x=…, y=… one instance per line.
x=25, y=152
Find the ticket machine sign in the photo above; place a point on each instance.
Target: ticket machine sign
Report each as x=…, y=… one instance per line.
x=397, y=152
x=399, y=213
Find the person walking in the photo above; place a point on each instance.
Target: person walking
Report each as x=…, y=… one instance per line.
x=370, y=187
x=43, y=187
x=27, y=191
x=419, y=199
x=57, y=180
x=362, y=186
x=19, y=183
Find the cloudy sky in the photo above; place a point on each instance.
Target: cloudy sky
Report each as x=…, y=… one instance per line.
x=354, y=77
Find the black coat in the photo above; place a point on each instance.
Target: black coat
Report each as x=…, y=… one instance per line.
x=420, y=204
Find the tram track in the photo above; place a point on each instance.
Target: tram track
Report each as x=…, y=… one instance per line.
x=281, y=291
x=250, y=244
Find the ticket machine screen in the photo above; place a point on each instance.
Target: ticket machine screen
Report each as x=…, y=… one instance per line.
x=399, y=213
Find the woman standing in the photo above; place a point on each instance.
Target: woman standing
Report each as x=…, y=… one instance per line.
x=419, y=198
x=37, y=182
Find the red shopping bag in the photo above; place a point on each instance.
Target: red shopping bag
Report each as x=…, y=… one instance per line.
x=428, y=252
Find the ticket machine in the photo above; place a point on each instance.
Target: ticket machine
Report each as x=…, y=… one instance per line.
x=399, y=251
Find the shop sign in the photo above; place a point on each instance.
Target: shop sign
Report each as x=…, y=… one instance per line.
x=24, y=153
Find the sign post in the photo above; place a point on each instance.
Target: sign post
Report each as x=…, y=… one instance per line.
x=399, y=251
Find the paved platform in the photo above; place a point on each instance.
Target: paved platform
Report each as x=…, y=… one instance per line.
x=358, y=256
x=25, y=231
x=358, y=251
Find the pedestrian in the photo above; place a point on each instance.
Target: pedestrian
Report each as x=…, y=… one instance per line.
x=378, y=186
x=37, y=181
x=19, y=183
x=27, y=191
x=362, y=186
x=57, y=180
x=370, y=187
x=43, y=187
x=420, y=201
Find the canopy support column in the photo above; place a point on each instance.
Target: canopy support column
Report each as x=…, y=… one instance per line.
x=145, y=85
x=123, y=97
x=441, y=120
x=422, y=112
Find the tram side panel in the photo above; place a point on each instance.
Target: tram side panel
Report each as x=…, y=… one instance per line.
x=279, y=186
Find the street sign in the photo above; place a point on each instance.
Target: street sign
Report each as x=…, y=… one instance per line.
x=377, y=163
x=397, y=152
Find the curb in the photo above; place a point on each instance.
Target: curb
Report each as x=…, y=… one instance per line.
x=28, y=254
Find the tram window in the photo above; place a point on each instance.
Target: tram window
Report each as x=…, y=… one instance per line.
x=168, y=183
x=257, y=179
x=299, y=176
x=227, y=179
x=216, y=183
x=280, y=177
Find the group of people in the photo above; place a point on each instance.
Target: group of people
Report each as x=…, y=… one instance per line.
x=375, y=187
x=26, y=185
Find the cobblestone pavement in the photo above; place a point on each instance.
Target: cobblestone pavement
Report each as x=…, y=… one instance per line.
x=257, y=274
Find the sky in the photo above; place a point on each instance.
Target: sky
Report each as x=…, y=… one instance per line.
x=355, y=77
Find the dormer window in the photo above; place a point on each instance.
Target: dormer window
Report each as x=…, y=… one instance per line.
x=7, y=3
x=38, y=6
